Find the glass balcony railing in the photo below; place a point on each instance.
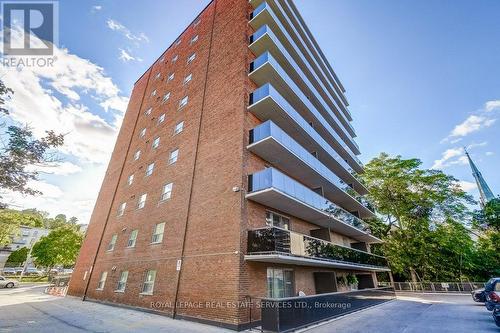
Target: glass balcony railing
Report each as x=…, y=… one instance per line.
x=268, y=90
x=331, y=91
x=272, y=178
x=266, y=30
x=270, y=129
x=272, y=240
x=266, y=57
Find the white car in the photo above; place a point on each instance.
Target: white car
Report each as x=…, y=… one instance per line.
x=8, y=283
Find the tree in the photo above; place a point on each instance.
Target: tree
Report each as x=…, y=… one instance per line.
x=59, y=247
x=20, y=150
x=488, y=218
x=421, y=216
x=11, y=220
x=18, y=256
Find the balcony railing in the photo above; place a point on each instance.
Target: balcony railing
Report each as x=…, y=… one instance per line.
x=272, y=240
x=271, y=178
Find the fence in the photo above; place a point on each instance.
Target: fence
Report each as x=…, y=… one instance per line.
x=58, y=285
x=436, y=287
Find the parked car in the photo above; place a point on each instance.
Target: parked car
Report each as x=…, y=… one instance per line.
x=9, y=271
x=493, y=297
x=32, y=271
x=496, y=315
x=19, y=270
x=8, y=283
x=68, y=271
x=479, y=295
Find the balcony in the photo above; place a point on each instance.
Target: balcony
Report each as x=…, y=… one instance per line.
x=277, y=245
x=265, y=69
x=265, y=14
x=272, y=188
x=275, y=146
x=267, y=104
x=264, y=40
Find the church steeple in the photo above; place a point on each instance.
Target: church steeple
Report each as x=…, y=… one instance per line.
x=484, y=190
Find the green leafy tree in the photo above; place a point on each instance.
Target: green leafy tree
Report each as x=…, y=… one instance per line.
x=18, y=257
x=19, y=149
x=59, y=247
x=11, y=220
x=421, y=218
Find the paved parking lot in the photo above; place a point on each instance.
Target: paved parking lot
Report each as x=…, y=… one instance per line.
x=28, y=309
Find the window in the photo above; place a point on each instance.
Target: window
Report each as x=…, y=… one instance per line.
x=277, y=220
x=153, y=93
x=177, y=42
x=198, y=20
x=174, y=59
x=112, y=242
x=122, y=282
x=171, y=77
x=166, y=97
x=158, y=75
x=158, y=233
x=102, y=281
x=178, y=128
x=143, y=133
x=280, y=283
x=149, y=282
x=183, y=102
x=167, y=191
x=130, y=180
x=149, y=169
x=137, y=155
x=191, y=58
x=162, y=59
x=156, y=143
x=133, y=238
x=121, y=209
x=161, y=118
x=187, y=79
x=142, y=201
x=193, y=40
x=148, y=111
x=174, y=154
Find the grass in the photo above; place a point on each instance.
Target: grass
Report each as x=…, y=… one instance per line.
x=29, y=278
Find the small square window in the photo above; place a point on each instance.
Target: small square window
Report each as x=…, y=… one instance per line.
x=156, y=143
x=122, y=282
x=133, y=238
x=171, y=77
x=157, y=76
x=162, y=59
x=102, y=281
x=174, y=59
x=158, y=230
x=197, y=21
x=137, y=155
x=166, y=97
x=149, y=169
x=173, y=156
x=161, y=118
x=148, y=111
x=142, y=201
x=153, y=93
x=130, y=180
x=187, y=79
x=183, y=102
x=112, y=242
x=143, y=133
x=121, y=209
x=191, y=58
x=149, y=282
x=178, y=128
x=193, y=40
x=177, y=42
x=167, y=191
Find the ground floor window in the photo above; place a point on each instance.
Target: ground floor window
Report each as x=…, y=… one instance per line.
x=280, y=283
x=277, y=220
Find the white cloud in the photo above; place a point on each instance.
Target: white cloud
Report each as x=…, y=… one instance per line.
x=57, y=168
x=490, y=153
x=449, y=157
x=475, y=145
x=467, y=186
x=117, y=26
x=492, y=105
x=96, y=8
x=125, y=56
x=472, y=124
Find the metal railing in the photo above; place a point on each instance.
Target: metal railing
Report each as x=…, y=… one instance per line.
x=435, y=287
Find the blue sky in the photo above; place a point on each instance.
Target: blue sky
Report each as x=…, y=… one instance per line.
x=418, y=75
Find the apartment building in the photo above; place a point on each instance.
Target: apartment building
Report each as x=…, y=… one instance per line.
x=27, y=237
x=233, y=178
